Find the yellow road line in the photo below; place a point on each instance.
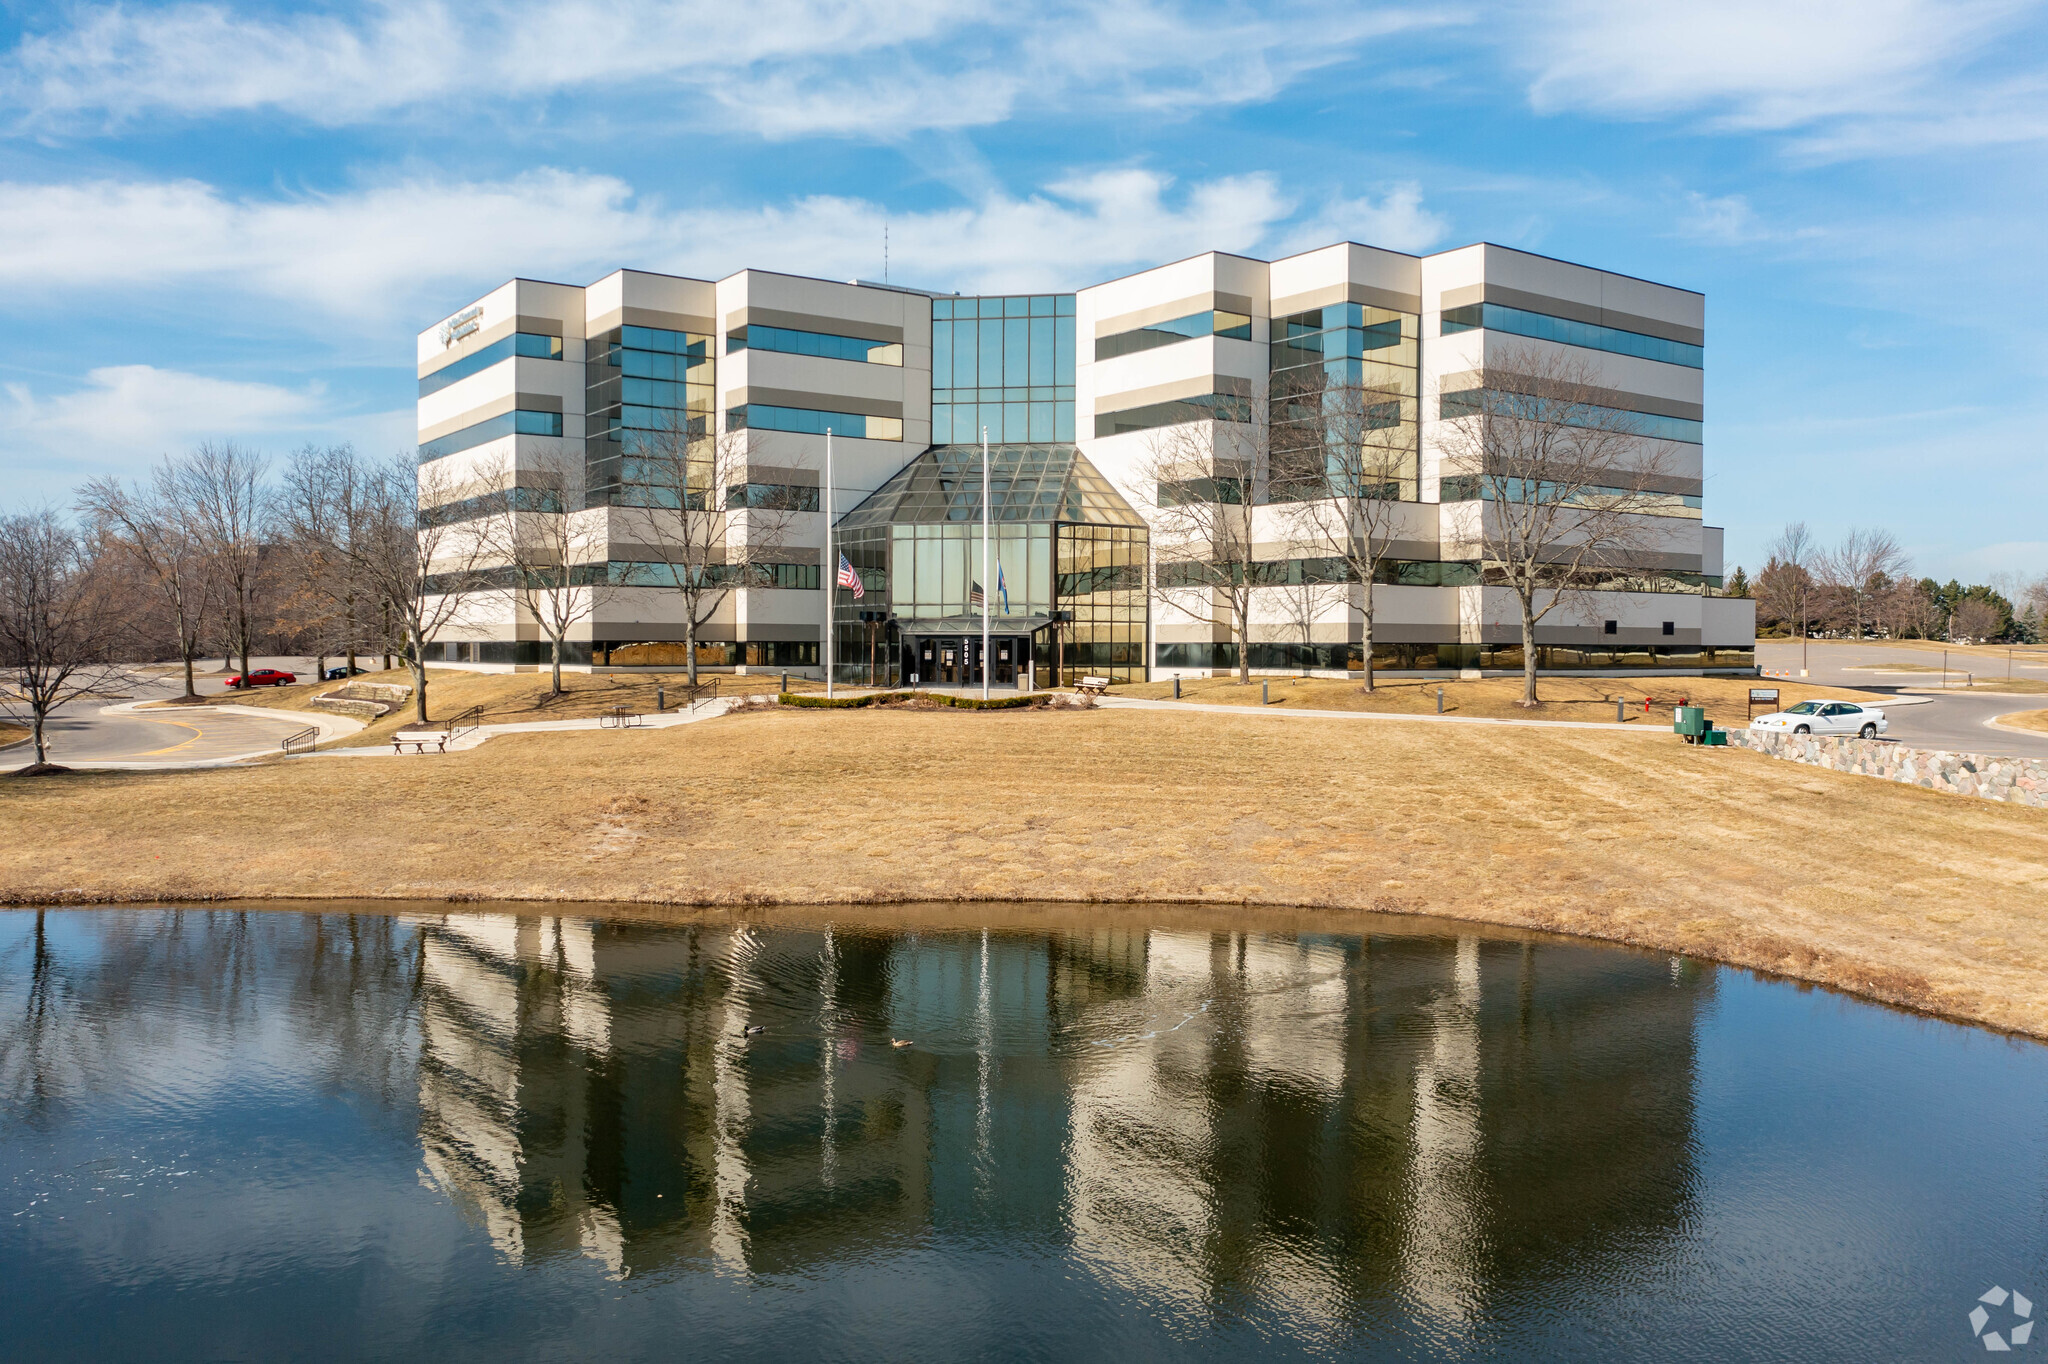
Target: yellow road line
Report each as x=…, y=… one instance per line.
x=197, y=735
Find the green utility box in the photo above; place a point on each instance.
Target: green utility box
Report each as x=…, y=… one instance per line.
x=1691, y=721
x=1715, y=738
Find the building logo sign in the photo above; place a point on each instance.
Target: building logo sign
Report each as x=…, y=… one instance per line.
x=462, y=324
x=2013, y=1324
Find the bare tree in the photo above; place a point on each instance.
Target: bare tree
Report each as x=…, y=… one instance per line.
x=155, y=527
x=1975, y=621
x=1206, y=477
x=1861, y=567
x=1785, y=588
x=695, y=542
x=552, y=547
x=1343, y=463
x=58, y=625
x=222, y=486
x=1569, y=491
x=323, y=510
x=420, y=552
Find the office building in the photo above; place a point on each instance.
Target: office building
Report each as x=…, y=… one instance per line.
x=558, y=391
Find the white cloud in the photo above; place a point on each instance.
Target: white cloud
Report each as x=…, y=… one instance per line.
x=1836, y=69
x=1397, y=222
x=1728, y=220
x=404, y=250
x=125, y=414
x=781, y=67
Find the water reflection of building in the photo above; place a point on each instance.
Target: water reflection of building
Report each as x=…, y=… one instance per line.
x=1295, y=1125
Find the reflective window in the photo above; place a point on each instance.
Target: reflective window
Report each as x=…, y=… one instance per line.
x=646, y=388
x=812, y=422
x=515, y=423
x=1469, y=402
x=771, y=497
x=491, y=504
x=1003, y=364
x=1341, y=374
x=788, y=341
x=1222, y=407
x=1236, y=326
x=1544, y=327
x=1472, y=488
x=532, y=345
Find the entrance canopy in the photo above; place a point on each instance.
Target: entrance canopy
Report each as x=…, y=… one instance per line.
x=1027, y=483
x=1060, y=539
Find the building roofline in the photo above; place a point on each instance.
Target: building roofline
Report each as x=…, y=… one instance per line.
x=1168, y=265
x=1618, y=274
x=1165, y=265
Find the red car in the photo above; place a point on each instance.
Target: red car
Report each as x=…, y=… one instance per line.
x=262, y=677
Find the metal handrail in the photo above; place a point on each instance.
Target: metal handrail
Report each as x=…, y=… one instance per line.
x=308, y=736
x=703, y=691
x=459, y=725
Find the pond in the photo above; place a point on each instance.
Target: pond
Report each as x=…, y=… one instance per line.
x=1114, y=1133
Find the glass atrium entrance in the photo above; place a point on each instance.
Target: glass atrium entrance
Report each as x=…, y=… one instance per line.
x=955, y=660
x=1067, y=555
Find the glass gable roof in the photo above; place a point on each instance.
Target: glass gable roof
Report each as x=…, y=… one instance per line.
x=1027, y=483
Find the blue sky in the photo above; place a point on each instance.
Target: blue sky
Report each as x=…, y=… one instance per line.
x=227, y=219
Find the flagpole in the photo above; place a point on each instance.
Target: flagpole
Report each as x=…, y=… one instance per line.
x=988, y=585
x=831, y=574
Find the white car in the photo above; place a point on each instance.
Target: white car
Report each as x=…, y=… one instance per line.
x=1825, y=717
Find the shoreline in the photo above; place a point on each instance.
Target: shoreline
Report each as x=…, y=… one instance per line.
x=1906, y=897
x=1786, y=961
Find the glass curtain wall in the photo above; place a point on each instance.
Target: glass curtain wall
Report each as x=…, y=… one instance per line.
x=1063, y=540
x=1345, y=371
x=1004, y=363
x=645, y=389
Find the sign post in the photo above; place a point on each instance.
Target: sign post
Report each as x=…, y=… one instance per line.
x=1767, y=696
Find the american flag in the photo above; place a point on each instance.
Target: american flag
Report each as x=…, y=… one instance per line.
x=849, y=578
x=974, y=596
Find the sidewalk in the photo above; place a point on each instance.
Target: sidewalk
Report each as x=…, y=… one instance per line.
x=704, y=710
x=1658, y=722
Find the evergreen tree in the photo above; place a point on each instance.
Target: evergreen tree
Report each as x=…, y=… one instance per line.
x=1738, y=586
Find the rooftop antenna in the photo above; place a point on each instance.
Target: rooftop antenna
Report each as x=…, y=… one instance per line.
x=885, y=250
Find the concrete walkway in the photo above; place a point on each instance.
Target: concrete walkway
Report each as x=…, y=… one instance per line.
x=1657, y=722
x=704, y=710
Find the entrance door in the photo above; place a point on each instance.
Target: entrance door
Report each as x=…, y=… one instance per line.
x=1007, y=653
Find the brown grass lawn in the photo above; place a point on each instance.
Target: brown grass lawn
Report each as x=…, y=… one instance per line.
x=508, y=698
x=1926, y=900
x=13, y=734
x=2027, y=719
x=1564, y=698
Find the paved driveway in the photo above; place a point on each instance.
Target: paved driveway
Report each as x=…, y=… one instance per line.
x=1955, y=722
x=84, y=734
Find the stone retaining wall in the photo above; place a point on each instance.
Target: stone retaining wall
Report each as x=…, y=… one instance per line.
x=2022, y=781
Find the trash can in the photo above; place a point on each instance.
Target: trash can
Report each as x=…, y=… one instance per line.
x=1691, y=721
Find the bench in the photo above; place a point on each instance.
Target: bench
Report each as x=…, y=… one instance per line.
x=1091, y=686
x=419, y=739
x=618, y=717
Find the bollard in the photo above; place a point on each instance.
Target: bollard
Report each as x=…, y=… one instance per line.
x=660, y=700
x=1439, y=700
x=1176, y=689
x=1619, y=718
x=785, y=681
x=1265, y=698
